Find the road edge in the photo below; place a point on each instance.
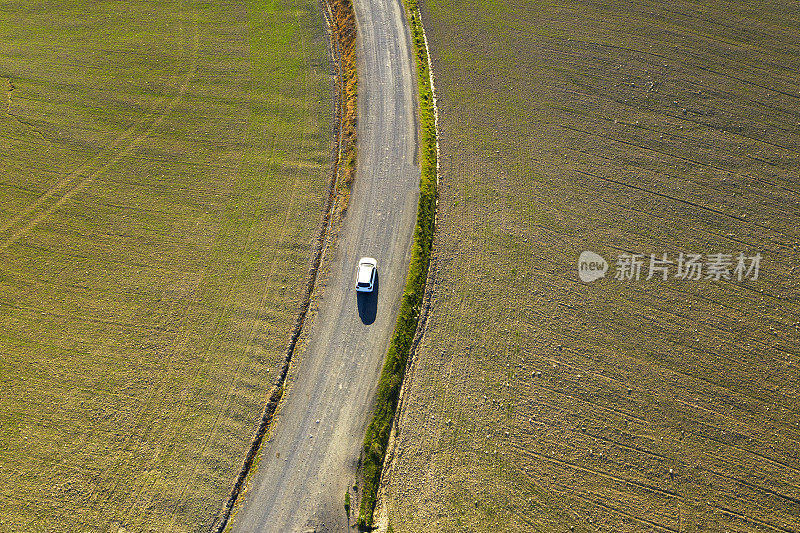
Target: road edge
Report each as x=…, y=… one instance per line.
x=415, y=307
x=381, y=520
x=341, y=32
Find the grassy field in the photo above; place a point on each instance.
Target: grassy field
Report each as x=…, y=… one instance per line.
x=163, y=173
x=538, y=402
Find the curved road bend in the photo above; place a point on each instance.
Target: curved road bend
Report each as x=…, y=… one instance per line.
x=307, y=465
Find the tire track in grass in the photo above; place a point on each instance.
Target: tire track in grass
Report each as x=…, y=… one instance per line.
x=184, y=333
x=120, y=460
x=675, y=156
x=659, y=152
x=619, y=412
x=627, y=515
x=700, y=436
x=715, y=389
x=753, y=521
x=87, y=436
x=688, y=51
x=33, y=210
x=720, y=329
x=672, y=178
x=466, y=301
x=456, y=374
x=650, y=213
x=330, y=210
x=660, y=457
x=409, y=387
x=662, y=58
x=705, y=88
x=171, y=422
x=678, y=200
x=755, y=487
x=668, y=498
x=433, y=425
x=643, y=486
x=583, y=118
x=180, y=336
x=428, y=303
x=737, y=421
x=78, y=180
x=717, y=349
x=291, y=206
x=263, y=300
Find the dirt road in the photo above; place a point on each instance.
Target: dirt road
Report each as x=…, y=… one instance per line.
x=310, y=458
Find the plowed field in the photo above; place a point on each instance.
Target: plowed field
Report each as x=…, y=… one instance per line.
x=540, y=402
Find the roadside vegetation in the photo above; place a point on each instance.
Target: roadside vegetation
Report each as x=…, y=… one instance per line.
x=379, y=429
x=164, y=171
x=342, y=22
x=539, y=402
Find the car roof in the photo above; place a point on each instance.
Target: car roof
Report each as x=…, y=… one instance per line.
x=365, y=272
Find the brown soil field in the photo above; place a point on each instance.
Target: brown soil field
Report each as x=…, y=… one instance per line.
x=164, y=168
x=538, y=402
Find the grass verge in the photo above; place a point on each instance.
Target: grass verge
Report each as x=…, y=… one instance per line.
x=377, y=435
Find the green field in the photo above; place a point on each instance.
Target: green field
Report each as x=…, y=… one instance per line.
x=537, y=402
x=163, y=173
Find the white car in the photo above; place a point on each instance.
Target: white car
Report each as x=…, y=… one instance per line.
x=365, y=276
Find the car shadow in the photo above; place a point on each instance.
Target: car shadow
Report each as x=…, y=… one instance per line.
x=368, y=303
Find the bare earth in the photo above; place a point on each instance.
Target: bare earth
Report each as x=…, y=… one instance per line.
x=538, y=402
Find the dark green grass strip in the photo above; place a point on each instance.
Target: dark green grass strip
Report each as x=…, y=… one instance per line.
x=377, y=436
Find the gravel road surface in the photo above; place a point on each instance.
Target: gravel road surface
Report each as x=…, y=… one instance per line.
x=310, y=458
